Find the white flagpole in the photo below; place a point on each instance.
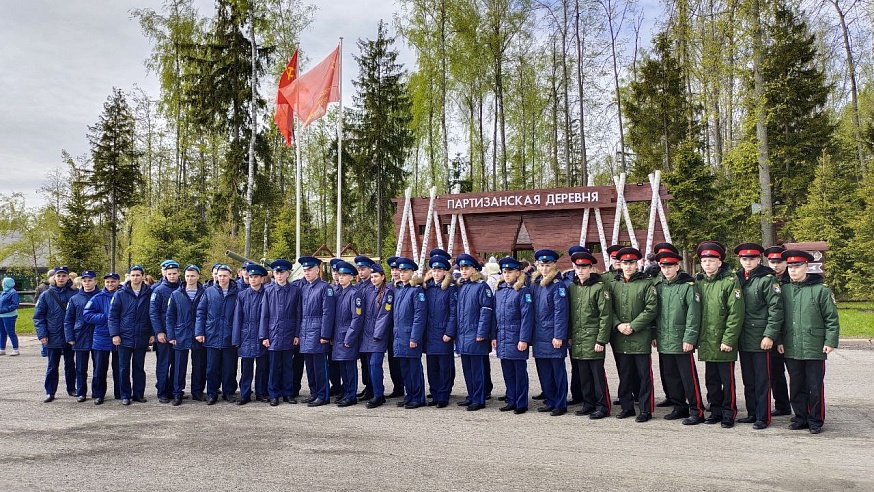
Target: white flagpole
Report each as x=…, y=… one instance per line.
x=340, y=153
x=297, y=187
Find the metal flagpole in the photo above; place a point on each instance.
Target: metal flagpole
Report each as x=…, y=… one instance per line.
x=340, y=153
x=297, y=186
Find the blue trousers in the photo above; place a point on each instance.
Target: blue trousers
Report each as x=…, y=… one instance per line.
x=516, y=379
x=414, y=379
x=69, y=368
x=180, y=368
x=53, y=356
x=132, y=364
x=281, y=378
x=101, y=359
x=253, y=368
x=318, y=374
x=473, y=368
x=7, y=328
x=82, y=372
x=164, y=369
x=440, y=375
x=553, y=381
x=297, y=364
x=377, y=374
x=349, y=377
x=221, y=369
x=198, y=371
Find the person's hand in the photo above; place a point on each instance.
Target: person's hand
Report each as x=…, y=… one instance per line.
x=827, y=350
x=412, y=344
x=296, y=341
x=522, y=346
x=655, y=343
x=266, y=343
x=556, y=343
x=162, y=337
x=781, y=349
x=151, y=340
x=447, y=338
x=479, y=339
x=200, y=338
x=44, y=340
x=688, y=347
x=172, y=342
x=116, y=340
x=767, y=343
x=72, y=342
x=599, y=347
x=724, y=347
x=494, y=344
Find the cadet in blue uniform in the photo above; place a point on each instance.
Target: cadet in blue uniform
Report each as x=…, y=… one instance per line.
x=365, y=268
x=131, y=331
x=215, y=318
x=96, y=313
x=377, y=331
x=476, y=324
x=181, y=317
x=514, y=321
x=280, y=327
x=316, y=329
x=348, y=322
x=245, y=336
x=440, y=329
x=48, y=319
x=410, y=315
x=158, y=314
x=550, y=331
x=779, y=388
x=79, y=333
x=394, y=366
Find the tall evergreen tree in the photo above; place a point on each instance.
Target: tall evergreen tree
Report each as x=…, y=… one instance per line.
x=115, y=180
x=78, y=240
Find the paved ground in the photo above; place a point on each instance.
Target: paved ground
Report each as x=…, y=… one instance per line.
x=71, y=446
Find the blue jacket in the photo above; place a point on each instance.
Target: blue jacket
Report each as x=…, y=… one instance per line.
x=48, y=315
x=247, y=319
x=476, y=316
x=97, y=313
x=514, y=316
x=281, y=312
x=215, y=316
x=181, y=315
x=348, y=323
x=319, y=307
x=129, y=316
x=378, y=319
x=411, y=314
x=442, y=306
x=76, y=328
x=551, y=311
x=9, y=301
x=158, y=305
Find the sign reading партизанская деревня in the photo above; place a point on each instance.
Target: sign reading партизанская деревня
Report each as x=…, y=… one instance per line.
x=527, y=200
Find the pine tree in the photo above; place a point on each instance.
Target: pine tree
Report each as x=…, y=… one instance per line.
x=862, y=222
x=693, y=187
x=78, y=241
x=115, y=180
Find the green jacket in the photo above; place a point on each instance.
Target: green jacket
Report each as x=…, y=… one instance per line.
x=763, y=308
x=634, y=301
x=679, y=317
x=811, y=320
x=722, y=315
x=591, y=317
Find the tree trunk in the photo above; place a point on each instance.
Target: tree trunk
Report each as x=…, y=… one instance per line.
x=565, y=82
x=768, y=236
x=584, y=164
x=854, y=92
x=250, y=181
x=613, y=36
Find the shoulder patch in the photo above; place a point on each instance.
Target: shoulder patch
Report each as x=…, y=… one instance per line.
x=562, y=292
x=606, y=294
x=488, y=292
x=528, y=298
x=455, y=295
x=330, y=292
x=358, y=301
x=777, y=288
x=154, y=296
x=421, y=297
x=834, y=301
x=88, y=304
x=737, y=293
x=697, y=297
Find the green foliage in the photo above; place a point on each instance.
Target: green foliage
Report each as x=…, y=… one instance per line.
x=169, y=232
x=78, y=242
x=695, y=192
x=861, y=273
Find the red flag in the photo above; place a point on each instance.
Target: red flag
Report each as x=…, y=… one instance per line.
x=310, y=93
x=283, y=113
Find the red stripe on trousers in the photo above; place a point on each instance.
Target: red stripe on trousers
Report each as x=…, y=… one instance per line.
x=697, y=385
x=822, y=394
x=651, y=388
x=607, y=392
x=768, y=363
x=733, y=392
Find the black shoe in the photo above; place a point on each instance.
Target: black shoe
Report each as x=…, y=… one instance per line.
x=798, y=426
x=538, y=397
x=317, y=403
x=243, y=401
x=507, y=408
x=616, y=402
x=414, y=404
x=274, y=402
x=598, y=414
x=558, y=411
x=200, y=397
x=347, y=403
x=674, y=415
x=712, y=420
x=396, y=394
x=125, y=401
x=211, y=400
x=139, y=399
x=780, y=413
x=664, y=403
x=401, y=403
x=164, y=400
x=520, y=410
x=644, y=417
x=727, y=424
x=693, y=420
x=98, y=401
x=746, y=420
x=584, y=411
x=290, y=400
x=71, y=393
x=432, y=403
x=442, y=404
x=815, y=430
x=376, y=401
x=81, y=399
x=488, y=397
x=545, y=408
x=49, y=399
x=464, y=403
x=626, y=413
x=309, y=400
x=760, y=424
x=176, y=401
x=473, y=407
x=361, y=395
x=575, y=401
x=502, y=398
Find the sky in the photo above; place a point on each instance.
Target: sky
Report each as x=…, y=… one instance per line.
x=59, y=61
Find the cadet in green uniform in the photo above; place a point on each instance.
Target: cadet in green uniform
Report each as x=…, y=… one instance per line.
x=763, y=319
x=591, y=320
x=722, y=315
x=810, y=332
x=779, y=388
x=635, y=308
x=677, y=328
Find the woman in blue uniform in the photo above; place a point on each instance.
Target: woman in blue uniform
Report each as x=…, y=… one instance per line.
x=514, y=316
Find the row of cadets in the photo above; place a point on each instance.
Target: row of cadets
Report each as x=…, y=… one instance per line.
x=181, y=318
